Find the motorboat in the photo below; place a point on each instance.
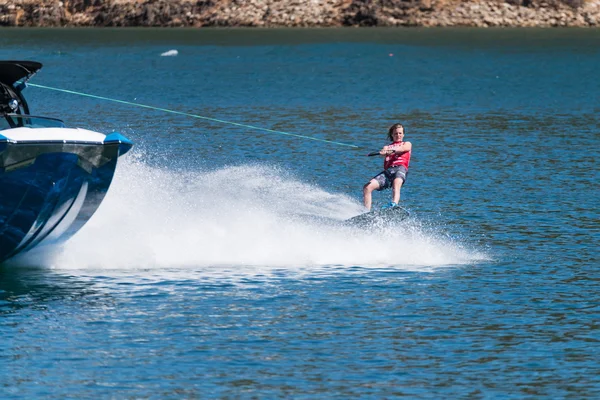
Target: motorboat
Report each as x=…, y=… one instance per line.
x=52, y=178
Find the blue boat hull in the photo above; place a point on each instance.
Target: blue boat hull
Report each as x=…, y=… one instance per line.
x=48, y=197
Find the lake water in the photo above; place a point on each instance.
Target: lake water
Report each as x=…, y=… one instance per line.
x=217, y=267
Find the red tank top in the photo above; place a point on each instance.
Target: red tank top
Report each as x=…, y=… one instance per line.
x=396, y=159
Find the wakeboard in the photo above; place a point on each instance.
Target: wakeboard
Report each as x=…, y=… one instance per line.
x=392, y=214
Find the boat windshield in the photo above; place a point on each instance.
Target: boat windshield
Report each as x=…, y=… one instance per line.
x=17, y=120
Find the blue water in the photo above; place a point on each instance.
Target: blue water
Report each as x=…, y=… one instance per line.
x=217, y=266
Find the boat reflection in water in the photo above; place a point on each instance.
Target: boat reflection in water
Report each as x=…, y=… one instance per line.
x=52, y=178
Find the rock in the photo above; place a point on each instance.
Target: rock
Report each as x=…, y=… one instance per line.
x=299, y=13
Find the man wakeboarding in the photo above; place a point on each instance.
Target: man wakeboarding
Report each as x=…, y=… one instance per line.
x=395, y=167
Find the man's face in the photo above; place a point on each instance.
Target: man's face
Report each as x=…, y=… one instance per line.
x=398, y=134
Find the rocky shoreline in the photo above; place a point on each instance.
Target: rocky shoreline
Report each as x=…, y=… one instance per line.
x=300, y=13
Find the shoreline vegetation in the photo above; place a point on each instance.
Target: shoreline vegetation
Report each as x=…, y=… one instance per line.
x=300, y=13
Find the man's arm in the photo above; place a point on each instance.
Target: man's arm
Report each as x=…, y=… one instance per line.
x=403, y=148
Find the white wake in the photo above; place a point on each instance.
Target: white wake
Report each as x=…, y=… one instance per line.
x=245, y=215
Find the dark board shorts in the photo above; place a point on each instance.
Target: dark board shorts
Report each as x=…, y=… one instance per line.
x=386, y=177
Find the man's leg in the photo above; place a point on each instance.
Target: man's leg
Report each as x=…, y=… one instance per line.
x=367, y=190
x=396, y=186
